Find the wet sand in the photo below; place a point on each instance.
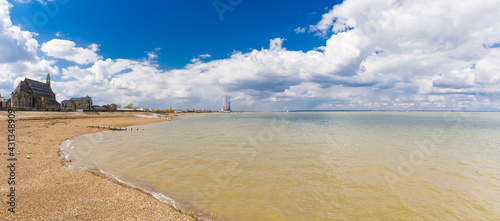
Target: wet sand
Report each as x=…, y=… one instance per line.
x=45, y=190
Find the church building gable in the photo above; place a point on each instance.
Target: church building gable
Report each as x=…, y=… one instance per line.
x=34, y=94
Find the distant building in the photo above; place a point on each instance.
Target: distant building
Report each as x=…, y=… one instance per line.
x=226, y=106
x=66, y=103
x=3, y=101
x=34, y=94
x=108, y=107
x=112, y=107
x=125, y=109
x=100, y=108
x=84, y=103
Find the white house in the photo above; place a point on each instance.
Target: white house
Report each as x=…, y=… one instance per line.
x=3, y=101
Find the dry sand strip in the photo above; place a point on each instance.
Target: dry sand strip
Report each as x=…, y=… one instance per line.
x=45, y=190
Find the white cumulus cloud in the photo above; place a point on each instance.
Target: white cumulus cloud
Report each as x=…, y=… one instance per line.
x=64, y=49
x=15, y=44
x=381, y=54
x=18, y=54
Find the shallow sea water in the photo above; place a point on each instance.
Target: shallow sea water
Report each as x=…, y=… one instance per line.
x=309, y=166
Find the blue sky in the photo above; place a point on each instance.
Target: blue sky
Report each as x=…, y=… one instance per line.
x=182, y=29
x=268, y=55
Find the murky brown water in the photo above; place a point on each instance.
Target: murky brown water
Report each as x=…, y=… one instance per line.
x=310, y=166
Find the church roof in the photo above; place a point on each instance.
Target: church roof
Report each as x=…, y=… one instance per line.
x=22, y=87
x=40, y=89
x=49, y=101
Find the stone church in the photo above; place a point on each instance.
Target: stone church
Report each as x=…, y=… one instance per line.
x=34, y=94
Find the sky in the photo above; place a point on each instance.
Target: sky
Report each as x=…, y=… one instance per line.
x=267, y=55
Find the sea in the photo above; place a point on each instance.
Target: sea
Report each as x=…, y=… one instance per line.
x=308, y=165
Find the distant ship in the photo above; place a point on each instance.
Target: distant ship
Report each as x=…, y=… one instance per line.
x=226, y=106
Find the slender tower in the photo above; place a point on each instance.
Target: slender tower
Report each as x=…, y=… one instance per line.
x=48, y=80
x=226, y=104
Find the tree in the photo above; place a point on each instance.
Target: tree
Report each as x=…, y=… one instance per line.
x=129, y=106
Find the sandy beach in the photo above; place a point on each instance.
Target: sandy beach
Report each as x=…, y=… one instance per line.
x=45, y=190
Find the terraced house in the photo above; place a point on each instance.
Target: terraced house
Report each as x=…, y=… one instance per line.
x=83, y=103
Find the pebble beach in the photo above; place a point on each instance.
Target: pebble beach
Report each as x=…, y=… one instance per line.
x=46, y=190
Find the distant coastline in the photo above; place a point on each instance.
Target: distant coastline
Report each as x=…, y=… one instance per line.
x=386, y=111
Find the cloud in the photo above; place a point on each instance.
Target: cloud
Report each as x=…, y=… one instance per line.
x=300, y=30
x=23, y=1
x=28, y=1
x=64, y=49
x=404, y=47
x=276, y=44
x=381, y=54
x=15, y=44
x=456, y=80
x=18, y=53
x=152, y=55
x=198, y=59
x=120, y=81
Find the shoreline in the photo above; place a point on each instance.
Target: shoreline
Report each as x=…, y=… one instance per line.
x=46, y=189
x=189, y=211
